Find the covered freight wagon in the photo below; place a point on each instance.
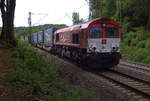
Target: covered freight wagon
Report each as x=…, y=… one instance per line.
x=40, y=37
x=49, y=37
x=34, y=38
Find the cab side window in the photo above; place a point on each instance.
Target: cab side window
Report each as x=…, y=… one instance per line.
x=57, y=37
x=75, y=38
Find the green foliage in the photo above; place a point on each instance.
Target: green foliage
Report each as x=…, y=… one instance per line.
x=117, y=12
x=40, y=77
x=136, y=54
x=134, y=42
x=147, y=43
x=135, y=13
x=141, y=33
x=95, y=9
x=109, y=6
x=141, y=44
x=137, y=37
x=126, y=26
x=76, y=18
x=136, y=45
x=130, y=39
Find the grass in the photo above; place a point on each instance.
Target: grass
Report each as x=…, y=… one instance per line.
x=31, y=74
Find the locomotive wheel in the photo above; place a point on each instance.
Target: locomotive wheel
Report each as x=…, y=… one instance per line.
x=117, y=62
x=62, y=53
x=74, y=55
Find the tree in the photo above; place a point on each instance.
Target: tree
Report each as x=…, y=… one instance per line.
x=130, y=13
x=121, y=18
x=76, y=18
x=96, y=8
x=7, y=12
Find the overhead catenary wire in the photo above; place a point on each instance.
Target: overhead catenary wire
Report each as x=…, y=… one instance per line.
x=68, y=15
x=38, y=22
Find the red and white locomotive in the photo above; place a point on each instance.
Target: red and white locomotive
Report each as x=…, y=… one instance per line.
x=96, y=43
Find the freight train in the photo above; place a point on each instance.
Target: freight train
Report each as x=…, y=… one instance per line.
x=95, y=43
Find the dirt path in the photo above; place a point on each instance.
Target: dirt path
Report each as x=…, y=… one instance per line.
x=6, y=89
x=4, y=66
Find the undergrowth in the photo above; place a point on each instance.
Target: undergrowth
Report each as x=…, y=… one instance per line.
x=31, y=74
x=136, y=45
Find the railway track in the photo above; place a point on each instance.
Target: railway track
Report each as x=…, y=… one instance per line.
x=135, y=66
x=137, y=88
x=134, y=87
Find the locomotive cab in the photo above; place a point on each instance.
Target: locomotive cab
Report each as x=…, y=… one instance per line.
x=104, y=42
x=104, y=39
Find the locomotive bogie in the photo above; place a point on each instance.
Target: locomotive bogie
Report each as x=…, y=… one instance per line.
x=103, y=60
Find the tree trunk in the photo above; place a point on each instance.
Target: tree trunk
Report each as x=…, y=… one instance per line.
x=8, y=22
x=121, y=18
x=101, y=8
x=148, y=23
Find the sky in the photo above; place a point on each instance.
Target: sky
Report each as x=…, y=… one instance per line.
x=49, y=11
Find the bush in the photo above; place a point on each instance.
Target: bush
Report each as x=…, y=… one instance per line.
x=126, y=25
x=127, y=42
x=141, y=33
x=136, y=54
x=136, y=45
x=130, y=39
x=141, y=44
x=147, y=45
x=40, y=78
x=134, y=42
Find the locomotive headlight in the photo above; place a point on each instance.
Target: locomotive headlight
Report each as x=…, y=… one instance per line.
x=92, y=49
x=115, y=47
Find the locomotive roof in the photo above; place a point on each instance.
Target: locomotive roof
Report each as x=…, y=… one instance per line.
x=85, y=25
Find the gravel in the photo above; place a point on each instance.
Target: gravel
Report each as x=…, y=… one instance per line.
x=134, y=73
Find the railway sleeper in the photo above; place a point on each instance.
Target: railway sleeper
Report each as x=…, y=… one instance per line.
x=143, y=86
x=132, y=93
x=144, y=99
x=138, y=97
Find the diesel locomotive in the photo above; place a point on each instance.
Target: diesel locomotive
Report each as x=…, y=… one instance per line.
x=95, y=43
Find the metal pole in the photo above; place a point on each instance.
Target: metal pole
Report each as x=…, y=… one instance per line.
x=30, y=30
